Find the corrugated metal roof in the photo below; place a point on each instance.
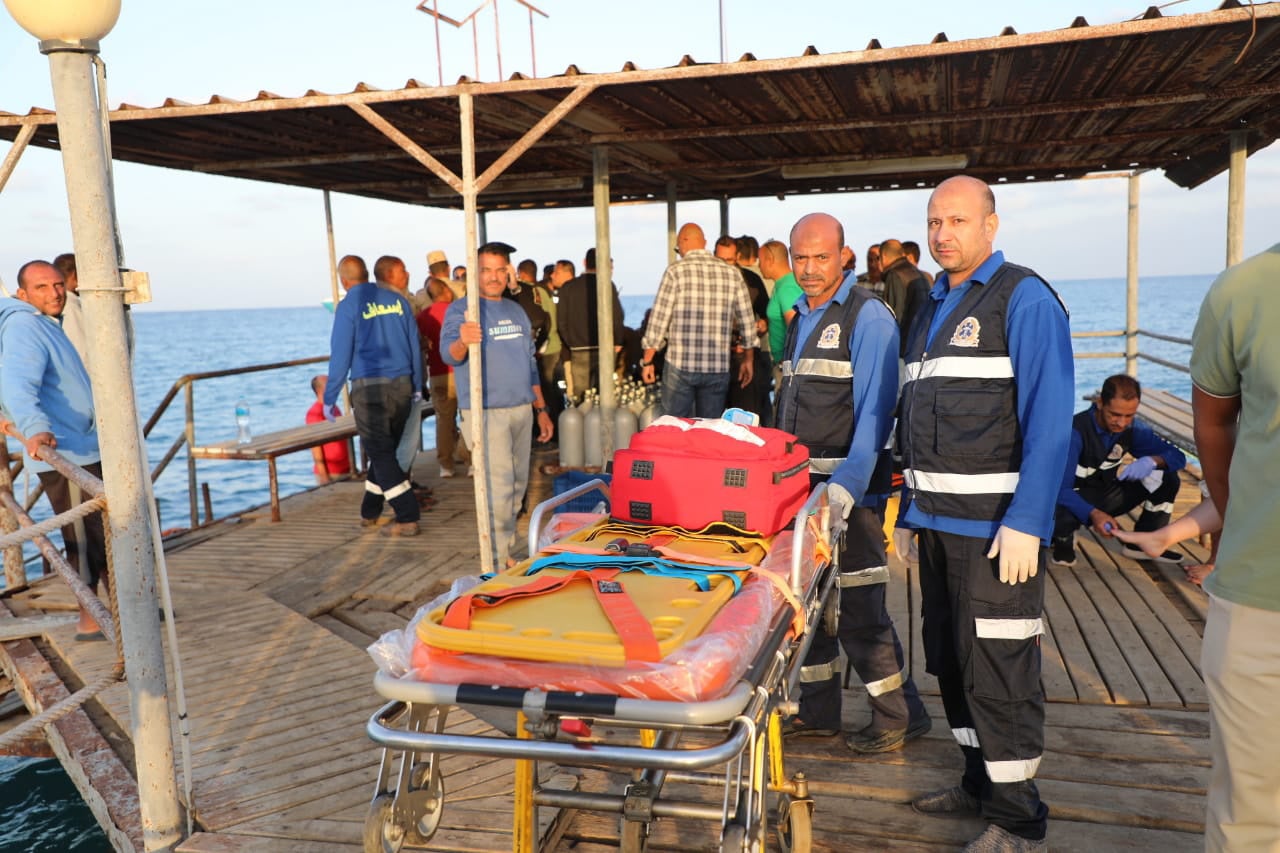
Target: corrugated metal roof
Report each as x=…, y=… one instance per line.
x=1157, y=93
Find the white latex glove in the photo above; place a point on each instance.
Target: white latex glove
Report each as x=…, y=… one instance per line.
x=1138, y=469
x=841, y=504
x=904, y=544
x=1019, y=554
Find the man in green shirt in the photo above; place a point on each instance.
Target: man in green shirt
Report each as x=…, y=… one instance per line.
x=775, y=264
x=1235, y=368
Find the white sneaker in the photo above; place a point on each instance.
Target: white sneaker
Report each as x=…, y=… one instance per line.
x=471, y=471
x=446, y=473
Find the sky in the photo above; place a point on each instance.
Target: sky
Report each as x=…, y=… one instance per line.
x=213, y=242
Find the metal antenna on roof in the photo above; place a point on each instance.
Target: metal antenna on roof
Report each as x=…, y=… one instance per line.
x=432, y=8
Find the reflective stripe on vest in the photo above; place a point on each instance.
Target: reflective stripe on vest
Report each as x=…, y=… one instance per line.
x=824, y=367
x=961, y=367
x=966, y=737
x=826, y=465
x=961, y=484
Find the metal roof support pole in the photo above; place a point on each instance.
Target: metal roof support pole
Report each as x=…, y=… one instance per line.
x=475, y=373
x=1235, y=197
x=15, y=152
x=604, y=293
x=671, y=222
x=84, y=164
x=724, y=217
x=333, y=250
x=1131, y=282
x=482, y=227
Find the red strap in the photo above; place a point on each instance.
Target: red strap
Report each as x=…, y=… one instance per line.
x=629, y=623
x=633, y=629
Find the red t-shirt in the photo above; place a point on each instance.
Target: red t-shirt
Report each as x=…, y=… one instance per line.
x=430, y=324
x=336, y=458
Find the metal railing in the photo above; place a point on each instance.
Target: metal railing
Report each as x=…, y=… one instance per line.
x=187, y=439
x=1120, y=333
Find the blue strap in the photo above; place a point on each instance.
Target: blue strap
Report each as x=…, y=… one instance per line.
x=699, y=575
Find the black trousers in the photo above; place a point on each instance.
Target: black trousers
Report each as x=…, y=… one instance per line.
x=58, y=489
x=982, y=641
x=867, y=635
x=381, y=408
x=1115, y=497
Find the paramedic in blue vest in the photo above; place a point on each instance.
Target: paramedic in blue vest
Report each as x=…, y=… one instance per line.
x=984, y=424
x=1095, y=488
x=511, y=386
x=375, y=340
x=839, y=389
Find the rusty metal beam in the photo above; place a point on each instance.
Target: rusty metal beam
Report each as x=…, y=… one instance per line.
x=15, y=153
x=412, y=148
x=1259, y=14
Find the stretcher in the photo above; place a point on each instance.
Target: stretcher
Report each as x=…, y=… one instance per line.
x=698, y=703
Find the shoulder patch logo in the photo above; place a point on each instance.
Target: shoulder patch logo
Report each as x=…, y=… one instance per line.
x=1116, y=454
x=966, y=333
x=830, y=338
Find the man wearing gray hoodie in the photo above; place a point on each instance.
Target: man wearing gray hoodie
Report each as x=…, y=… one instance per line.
x=44, y=390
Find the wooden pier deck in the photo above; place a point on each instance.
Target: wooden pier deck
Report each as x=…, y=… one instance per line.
x=273, y=619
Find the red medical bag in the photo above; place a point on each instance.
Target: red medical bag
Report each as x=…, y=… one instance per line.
x=694, y=476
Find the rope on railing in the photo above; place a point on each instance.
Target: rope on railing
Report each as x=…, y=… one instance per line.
x=49, y=525
x=60, y=709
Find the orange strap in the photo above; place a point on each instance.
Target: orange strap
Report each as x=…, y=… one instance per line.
x=633, y=629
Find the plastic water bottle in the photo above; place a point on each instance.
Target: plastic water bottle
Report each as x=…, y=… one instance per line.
x=242, y=421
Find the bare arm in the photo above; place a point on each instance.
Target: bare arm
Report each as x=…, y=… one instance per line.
x=1215, y=433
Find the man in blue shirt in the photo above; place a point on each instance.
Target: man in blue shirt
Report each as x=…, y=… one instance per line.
x=510, y=385
x=984, y=421
x=839, y=388
x=375, y=340
x=1095, y=488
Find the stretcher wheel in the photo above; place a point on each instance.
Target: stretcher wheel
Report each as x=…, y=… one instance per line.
x=795, y=824
x=381, y=832
x=635, y=836
x=831, y=615
x=431, y=805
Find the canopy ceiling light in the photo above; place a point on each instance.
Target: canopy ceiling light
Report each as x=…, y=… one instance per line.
x=70, y=21
x=889, y=166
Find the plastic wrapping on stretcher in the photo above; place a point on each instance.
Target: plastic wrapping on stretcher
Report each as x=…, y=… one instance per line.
x=703, y=668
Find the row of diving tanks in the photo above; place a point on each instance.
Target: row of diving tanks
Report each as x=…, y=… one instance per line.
x=581, y=427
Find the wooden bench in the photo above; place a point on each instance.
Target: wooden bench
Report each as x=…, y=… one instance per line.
x=270, y=445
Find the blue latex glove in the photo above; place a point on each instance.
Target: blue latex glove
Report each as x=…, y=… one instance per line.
x=330, y=412
x=1138, y=469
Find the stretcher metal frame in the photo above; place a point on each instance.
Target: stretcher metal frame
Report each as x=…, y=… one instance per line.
x=740, y=732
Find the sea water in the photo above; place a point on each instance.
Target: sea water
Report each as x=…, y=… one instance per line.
x=40, y=809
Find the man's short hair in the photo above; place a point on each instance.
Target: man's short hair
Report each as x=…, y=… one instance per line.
x=22, y=271
x=65, y=264
x=1120, y=385
x=384, y=265
x=435, y=286
x=911, y=249
x=748, y=247
x=728, y=242
x=776, y=252
x=529, y=268
x=573, y=271
x=315, y=382
x=352, y=268
x=495, y=247
x=589, y=260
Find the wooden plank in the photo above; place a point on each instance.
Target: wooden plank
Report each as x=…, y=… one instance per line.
x=1148, y=671
x=225, y=842
x=32, y=626
x=1119, y=679
x=1083, y=671
x=338, y=628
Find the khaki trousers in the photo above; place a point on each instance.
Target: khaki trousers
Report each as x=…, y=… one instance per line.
x=1242, y=674
x=444, y=396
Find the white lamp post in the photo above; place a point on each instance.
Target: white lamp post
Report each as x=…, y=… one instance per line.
x=69, y=31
